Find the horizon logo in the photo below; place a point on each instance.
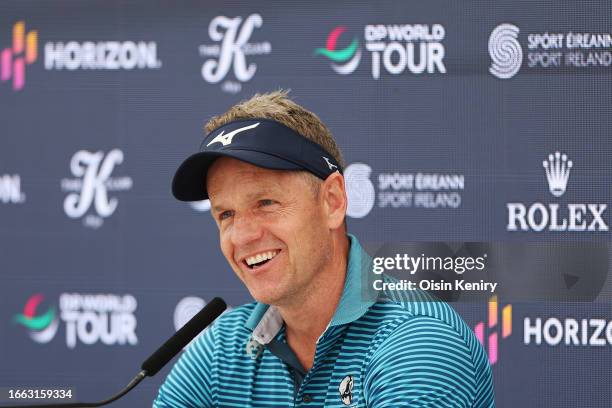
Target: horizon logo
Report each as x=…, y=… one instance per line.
x=540, y=216
x=10, y=189
x=24, y=51
x=232, y=36
x=93, y=171
x=492, y=343
x=570, y=332
x=110, y=55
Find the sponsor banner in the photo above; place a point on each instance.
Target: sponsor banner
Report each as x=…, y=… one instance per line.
x=399, y=190
x=232, y=50
x=552, y=331
x=93, y=182
x=71, y=55
x=557, y=215
x=22, y=51
x=10, y=189
x=513, y=49
x=390, y=49
x=106, y=55
x=81, y=319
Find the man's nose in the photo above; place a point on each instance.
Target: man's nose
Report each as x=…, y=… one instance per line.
x=245, y=230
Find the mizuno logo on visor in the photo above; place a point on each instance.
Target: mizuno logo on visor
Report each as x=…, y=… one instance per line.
x=226, y=139
x=330, y=164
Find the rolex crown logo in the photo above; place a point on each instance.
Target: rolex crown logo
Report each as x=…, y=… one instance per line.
x=557, y=173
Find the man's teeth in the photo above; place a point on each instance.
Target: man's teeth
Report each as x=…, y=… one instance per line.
x=264, y=256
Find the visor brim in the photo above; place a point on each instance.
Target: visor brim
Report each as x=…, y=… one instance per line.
x=189, y=182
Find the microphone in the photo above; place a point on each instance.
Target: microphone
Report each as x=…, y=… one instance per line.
x=159, y=358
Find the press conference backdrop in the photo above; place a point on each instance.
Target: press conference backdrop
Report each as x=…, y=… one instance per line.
x=460, y=122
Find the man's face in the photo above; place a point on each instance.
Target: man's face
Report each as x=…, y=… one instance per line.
x=271, y=229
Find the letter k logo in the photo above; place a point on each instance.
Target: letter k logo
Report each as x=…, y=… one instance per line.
x=226, y=139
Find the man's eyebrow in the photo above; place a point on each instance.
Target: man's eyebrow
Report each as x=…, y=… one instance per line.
x=216, y=208
x=250, y=196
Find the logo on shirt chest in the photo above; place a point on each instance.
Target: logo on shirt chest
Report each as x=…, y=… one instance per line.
x=346, y=390
x=254, y=348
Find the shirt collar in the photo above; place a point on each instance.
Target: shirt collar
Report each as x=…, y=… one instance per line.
x=265, y=321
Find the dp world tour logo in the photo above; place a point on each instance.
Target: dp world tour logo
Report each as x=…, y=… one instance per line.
x=344, y=61
x=505, y=51
x=492, y=343
x=42, y=327
x=23, y=51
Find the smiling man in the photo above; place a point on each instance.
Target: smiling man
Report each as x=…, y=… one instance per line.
x=314, y=337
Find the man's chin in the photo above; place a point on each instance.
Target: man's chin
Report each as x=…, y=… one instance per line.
x=269, y=297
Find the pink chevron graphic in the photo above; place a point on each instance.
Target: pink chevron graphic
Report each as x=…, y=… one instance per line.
x=492, y=343
x=13, y=60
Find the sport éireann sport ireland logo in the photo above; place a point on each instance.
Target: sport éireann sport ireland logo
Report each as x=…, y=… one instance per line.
x=344, y=61
x=42, y=327
x=505, y=51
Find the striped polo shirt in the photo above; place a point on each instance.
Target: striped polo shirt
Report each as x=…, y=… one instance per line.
x=400, y=349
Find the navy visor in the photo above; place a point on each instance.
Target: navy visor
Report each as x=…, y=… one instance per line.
x=261, y=142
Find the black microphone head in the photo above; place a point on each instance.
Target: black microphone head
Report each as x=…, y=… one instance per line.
x=183, y=336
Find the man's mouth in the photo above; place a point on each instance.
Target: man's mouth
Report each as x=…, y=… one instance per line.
x=258, y=260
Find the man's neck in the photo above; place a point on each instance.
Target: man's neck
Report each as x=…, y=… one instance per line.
x=303, y=329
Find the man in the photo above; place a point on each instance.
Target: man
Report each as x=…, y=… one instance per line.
x=273, y=174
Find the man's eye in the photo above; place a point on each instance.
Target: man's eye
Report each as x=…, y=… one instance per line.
x=266, y=202
x=225, y=215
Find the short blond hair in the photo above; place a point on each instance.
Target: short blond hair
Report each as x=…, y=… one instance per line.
x=277, y=106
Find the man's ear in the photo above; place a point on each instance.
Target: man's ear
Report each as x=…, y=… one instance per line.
x=335, y=201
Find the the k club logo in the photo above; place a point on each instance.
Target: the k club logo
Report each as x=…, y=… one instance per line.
x=343, y=61
x=492, y=328
x=552, y=217
x=23, y=51
x=10, y=189
x=87, y=318
x=92, y=185
x=232, y=36
x=505, y=51
x=42, y=328
x=359, y=189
